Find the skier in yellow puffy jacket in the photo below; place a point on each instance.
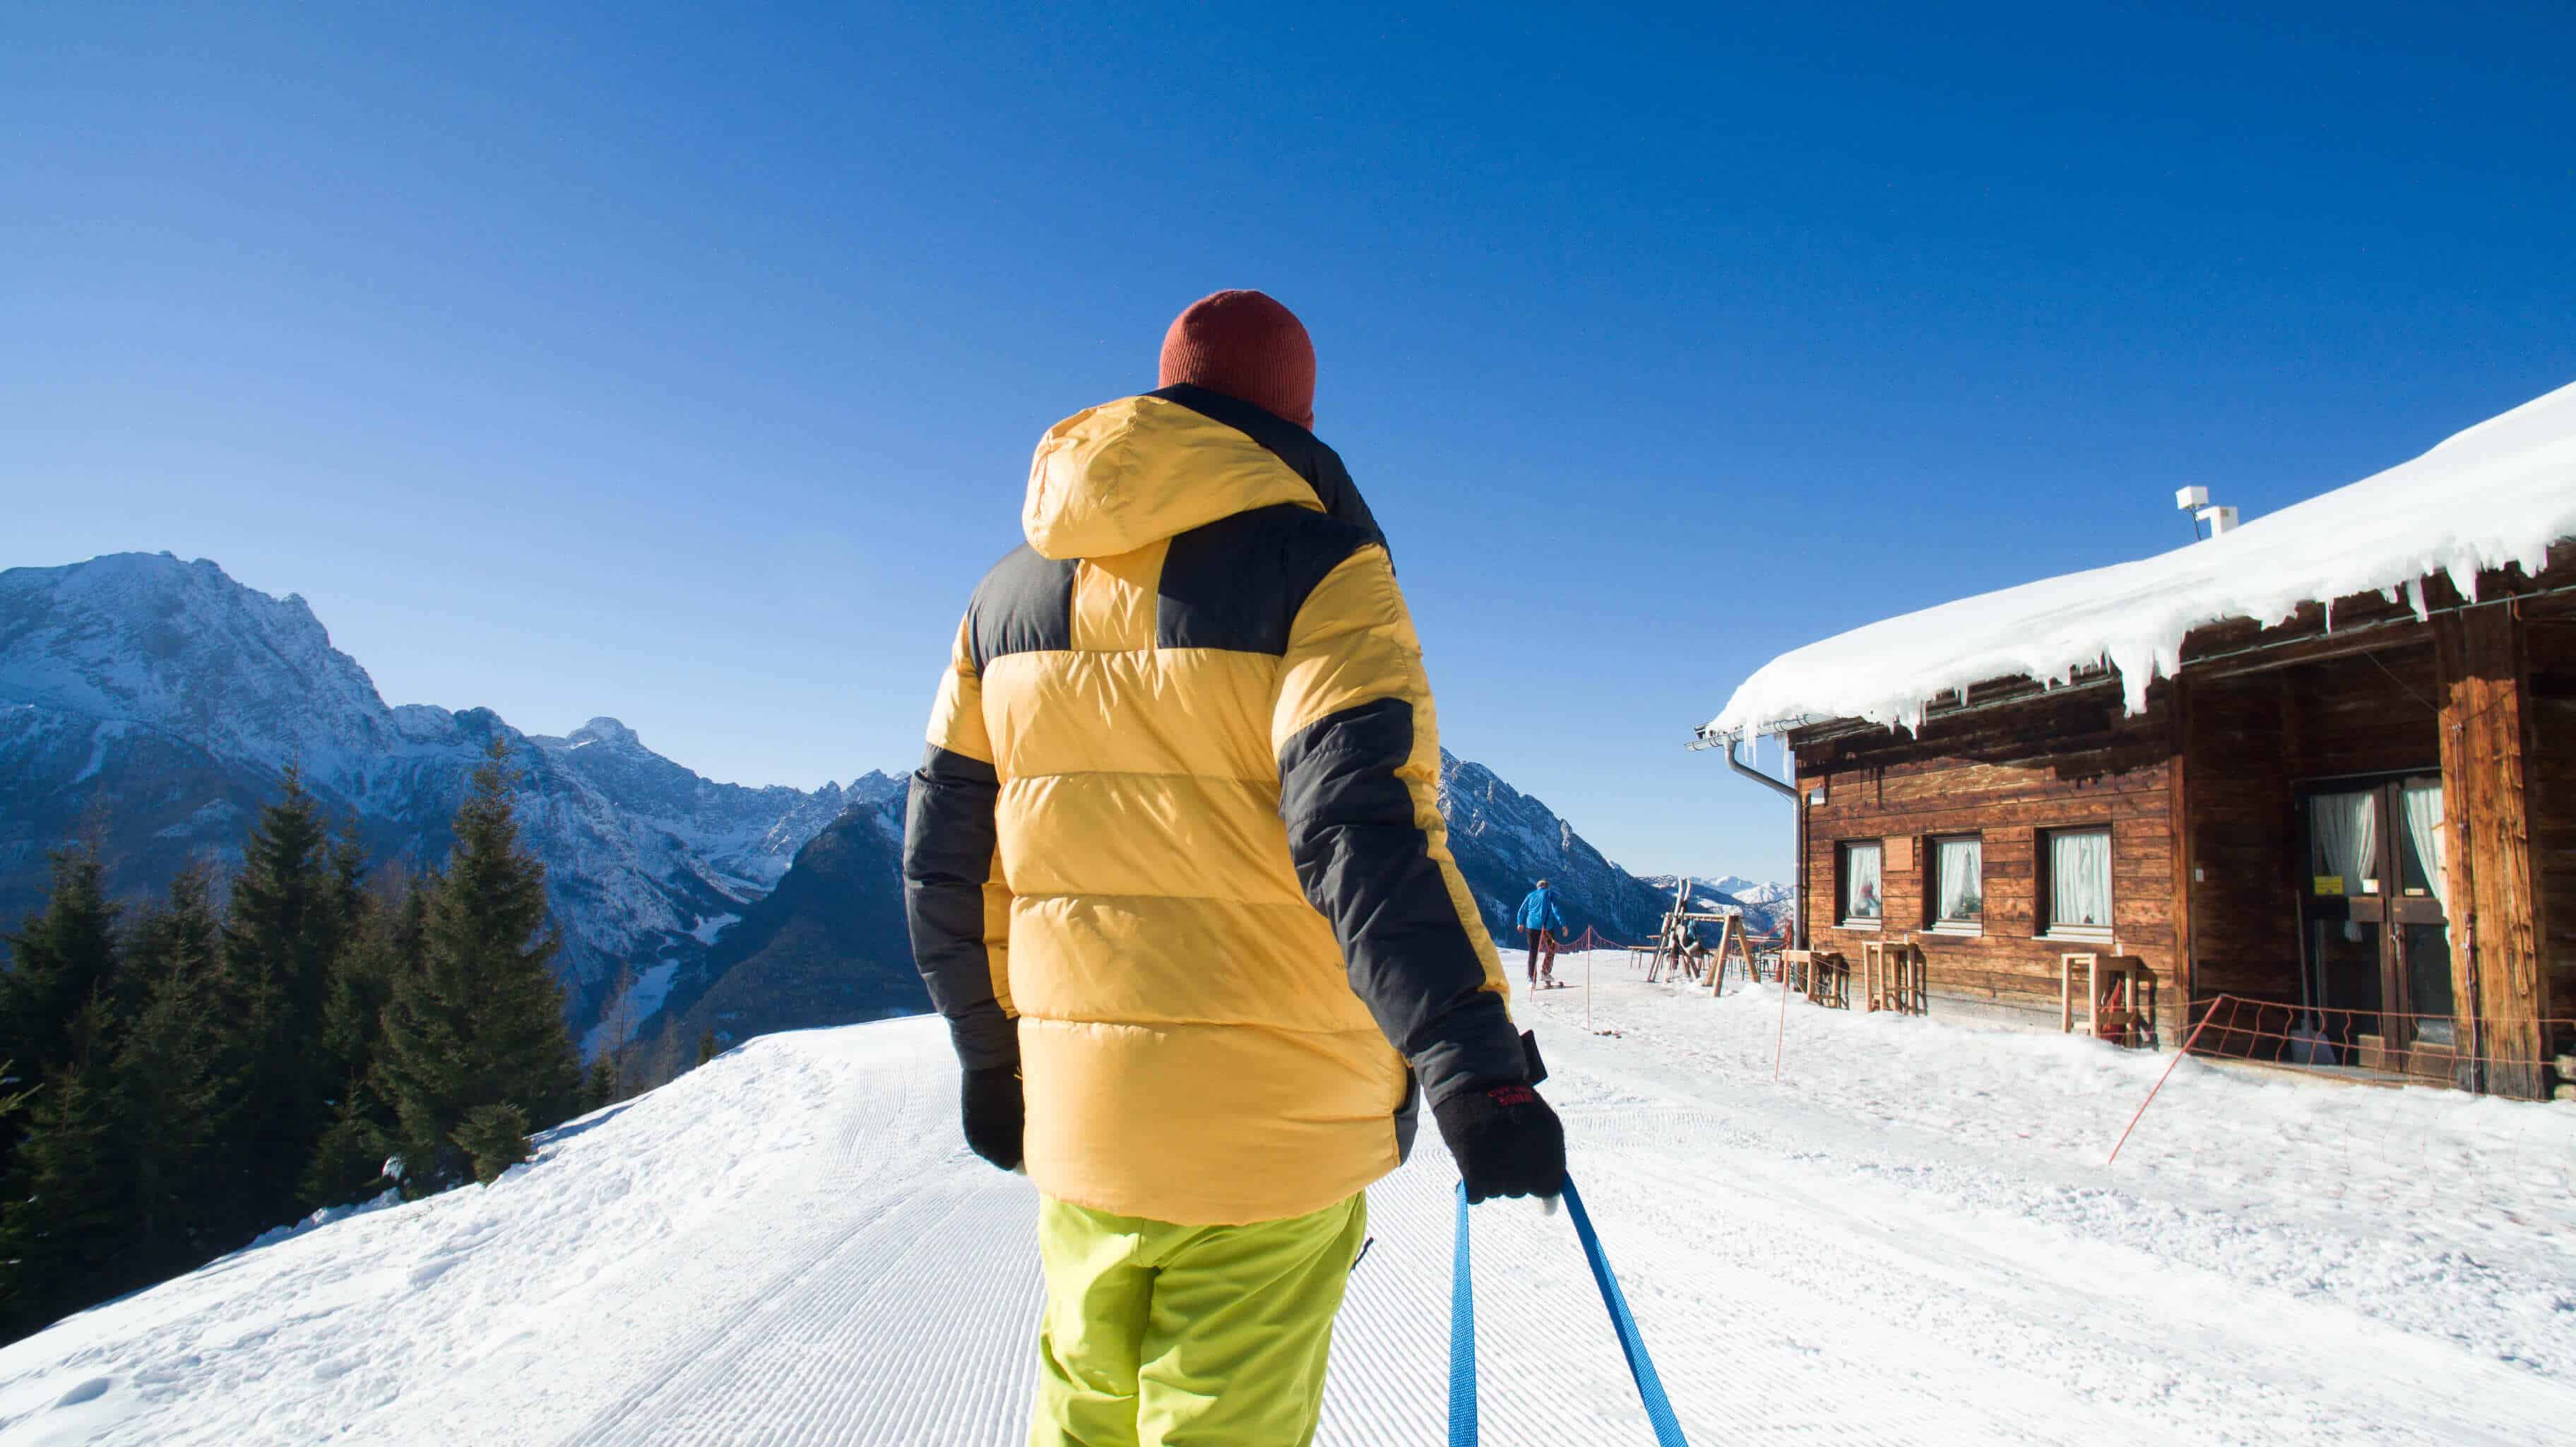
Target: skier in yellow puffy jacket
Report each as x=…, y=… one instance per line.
x=1177, y=878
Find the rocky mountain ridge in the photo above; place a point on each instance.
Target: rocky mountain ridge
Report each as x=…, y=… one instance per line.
x=1506, y=841
x=155, y=704
x=1765, y=905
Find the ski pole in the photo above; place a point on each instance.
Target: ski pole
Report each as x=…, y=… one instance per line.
x=1632, y=1343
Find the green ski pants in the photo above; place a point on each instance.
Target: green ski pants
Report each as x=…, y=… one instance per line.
x=1159, y=1335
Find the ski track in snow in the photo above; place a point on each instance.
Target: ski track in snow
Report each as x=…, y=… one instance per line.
x=1910, y=1239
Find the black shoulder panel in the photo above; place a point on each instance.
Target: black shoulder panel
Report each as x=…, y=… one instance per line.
x=1025, y=605
x=1238, y=582
x=1303, y=451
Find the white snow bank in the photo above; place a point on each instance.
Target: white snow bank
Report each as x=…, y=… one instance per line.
x=326, y=1216
x=2502, y=492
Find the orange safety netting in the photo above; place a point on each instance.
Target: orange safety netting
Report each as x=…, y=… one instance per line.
x=2510, y=1055
x=2492, y=1054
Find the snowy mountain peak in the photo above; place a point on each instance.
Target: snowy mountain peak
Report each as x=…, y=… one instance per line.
x=874, y=786
x=164, y=698
x=1726, y=889
x=1743, y=890
x=605, y=731
x=145, y=641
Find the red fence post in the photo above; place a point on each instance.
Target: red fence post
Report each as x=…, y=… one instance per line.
x=1781, y=1045
x=2194, y=1039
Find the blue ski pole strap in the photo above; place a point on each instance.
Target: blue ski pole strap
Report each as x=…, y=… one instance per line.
x=1650, y=1388
x=1462, y=1340
x=1462, y=1334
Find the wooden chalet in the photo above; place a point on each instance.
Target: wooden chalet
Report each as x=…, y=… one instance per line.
x=2360, y=808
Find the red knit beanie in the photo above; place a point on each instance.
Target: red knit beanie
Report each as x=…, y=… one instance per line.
x=1247, y=346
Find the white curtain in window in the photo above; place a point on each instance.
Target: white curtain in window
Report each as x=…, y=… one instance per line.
x=1961, y=866
x=2345, y=828
x=2079, y=880
x=2424, y=829
x=1860, y=882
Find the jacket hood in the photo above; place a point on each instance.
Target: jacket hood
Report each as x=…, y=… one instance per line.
x=1113, y=478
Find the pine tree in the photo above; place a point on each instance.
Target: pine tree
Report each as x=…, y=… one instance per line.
x=173, y=1096
x=295, y=905
x=601, y=1088
x=706, y=1047
x=494, y=1138
x=480, y=1025
x=62, y=1221
x=349, y=1159
x=60, y=962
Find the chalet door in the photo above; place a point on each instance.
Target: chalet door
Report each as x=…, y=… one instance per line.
x=2375, y=928
x=2419, y=926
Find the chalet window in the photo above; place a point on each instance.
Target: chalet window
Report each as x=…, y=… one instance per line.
x=2075, y=883
x=1859, y=868
x=1957, y=890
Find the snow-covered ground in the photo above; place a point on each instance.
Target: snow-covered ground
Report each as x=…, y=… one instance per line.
x=1909, y=1238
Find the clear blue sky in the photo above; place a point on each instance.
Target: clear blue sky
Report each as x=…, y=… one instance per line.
x=682, y=363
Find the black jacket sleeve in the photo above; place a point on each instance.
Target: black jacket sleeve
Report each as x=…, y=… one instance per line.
x=1359, y=761
x=956, y=907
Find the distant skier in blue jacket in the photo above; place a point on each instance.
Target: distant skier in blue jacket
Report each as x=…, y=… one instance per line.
x=1544, y=927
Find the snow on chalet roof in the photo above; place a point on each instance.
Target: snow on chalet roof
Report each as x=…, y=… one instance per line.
x=2501, y=492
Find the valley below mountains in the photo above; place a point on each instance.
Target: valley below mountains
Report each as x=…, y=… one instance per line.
x=152, y=705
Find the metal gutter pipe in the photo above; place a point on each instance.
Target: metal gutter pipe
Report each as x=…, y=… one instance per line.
x=1790, y=791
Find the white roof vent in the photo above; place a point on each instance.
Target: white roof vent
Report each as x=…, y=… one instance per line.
x=2195, y=501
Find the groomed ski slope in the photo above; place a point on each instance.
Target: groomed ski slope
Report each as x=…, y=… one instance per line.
x=1910, y=1238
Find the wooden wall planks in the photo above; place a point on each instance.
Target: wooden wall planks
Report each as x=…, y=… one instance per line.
x=2487, y=799
x=2249, y=742
x=2550, y=662
x=2242, y=745
x=2201, y=796
x=2052, y=762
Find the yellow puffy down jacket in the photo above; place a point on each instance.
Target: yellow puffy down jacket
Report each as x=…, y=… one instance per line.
x=1178, y=821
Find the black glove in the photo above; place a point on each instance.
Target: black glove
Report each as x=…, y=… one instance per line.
x=1506, y=1140
x=995, y=1114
